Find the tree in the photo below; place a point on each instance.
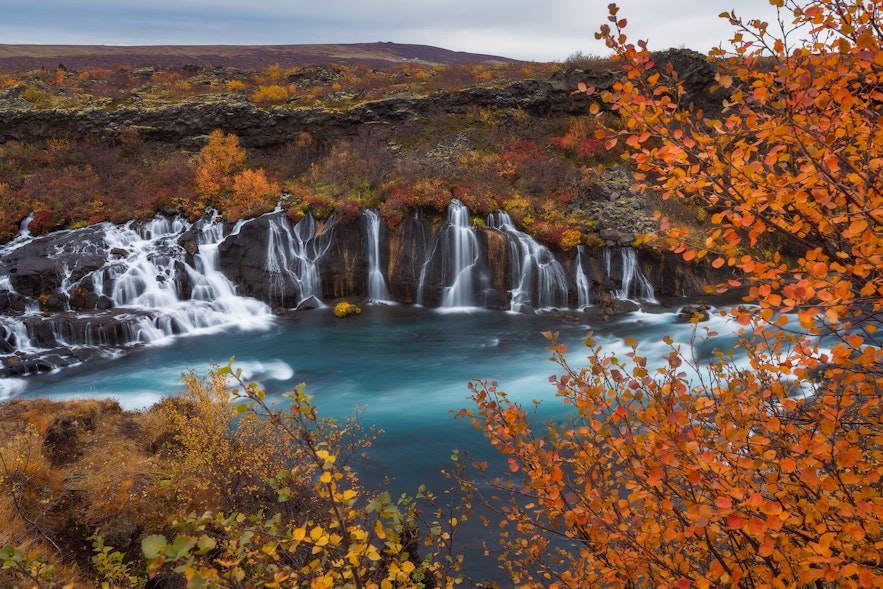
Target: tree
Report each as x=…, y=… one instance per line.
x=762, y=466
x=253, y=194
x=216, y=164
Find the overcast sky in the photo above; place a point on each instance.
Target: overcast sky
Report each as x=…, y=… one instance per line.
x=539, y=30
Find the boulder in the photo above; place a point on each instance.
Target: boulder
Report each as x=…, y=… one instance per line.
x=696, y=312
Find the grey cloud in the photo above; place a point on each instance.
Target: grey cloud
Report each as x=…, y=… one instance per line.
x=548, y=30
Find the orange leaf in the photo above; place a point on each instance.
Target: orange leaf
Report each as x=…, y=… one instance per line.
x=755, y=526
x=723, y=503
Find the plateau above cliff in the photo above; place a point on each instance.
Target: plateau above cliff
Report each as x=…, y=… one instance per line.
x=186, y=121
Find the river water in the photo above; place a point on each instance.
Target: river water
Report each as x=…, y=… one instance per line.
x=408, y=366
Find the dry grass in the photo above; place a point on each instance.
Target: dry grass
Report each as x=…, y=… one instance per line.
x=68, y=468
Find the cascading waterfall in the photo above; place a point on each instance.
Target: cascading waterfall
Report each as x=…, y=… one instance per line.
x=538, y=280
x=378, y=292
x=111, y=286
x=144, y=276
x=583, y=285
x=634, y=285
x=14, y=335
x=293, y=257
x=457, y=245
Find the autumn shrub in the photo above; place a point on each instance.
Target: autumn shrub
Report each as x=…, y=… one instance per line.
x=397, y=203
x=549, y=231
x=219, y=461
x=521, y=208
x=570, y=238
x=343, y=536
x=479, y=198
x=354, y=164
x=236, y=86
x=579, y=140
x=297, y=155
x=345, y=309
x=28, y=479
x=43, y=221
x=216, y=164
x=319, y=204
x=266, y=95
x=34, y=95
x=347, y=209
x=431, y=193
x=252, y=194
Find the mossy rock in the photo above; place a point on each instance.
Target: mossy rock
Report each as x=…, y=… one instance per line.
x=346, y=309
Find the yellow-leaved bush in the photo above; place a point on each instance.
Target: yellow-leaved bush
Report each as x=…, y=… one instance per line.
x=328, y=530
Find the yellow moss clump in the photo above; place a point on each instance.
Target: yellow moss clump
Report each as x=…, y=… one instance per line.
x=346, y=309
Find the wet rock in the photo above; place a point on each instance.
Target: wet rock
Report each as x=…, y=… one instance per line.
x=497, y=299
x=696, y=312
x=408, y=247
x=309, y=303
x=43, y=264
x=344, y=268
x=12, y=302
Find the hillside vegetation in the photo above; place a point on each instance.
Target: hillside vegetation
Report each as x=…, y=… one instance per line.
x=550, y=172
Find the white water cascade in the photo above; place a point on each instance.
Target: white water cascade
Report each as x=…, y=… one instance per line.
x=538, y=280
x=583, y=285
x=635, y=285
x=13, y=333
x=378, y=292
x=293, y=256
x=457, y=245
x=151, y=291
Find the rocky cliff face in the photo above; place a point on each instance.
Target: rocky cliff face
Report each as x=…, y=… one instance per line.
x=74, y=294
x=186, y=123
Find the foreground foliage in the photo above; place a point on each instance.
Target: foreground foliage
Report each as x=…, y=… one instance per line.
x=755, y=467
x=212, y=488
x=344, y=537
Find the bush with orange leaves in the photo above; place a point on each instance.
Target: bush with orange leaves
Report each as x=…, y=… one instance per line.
x=763, y=465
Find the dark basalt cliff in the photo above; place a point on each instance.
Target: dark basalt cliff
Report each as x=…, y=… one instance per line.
x=187, y=122
x=74, y=294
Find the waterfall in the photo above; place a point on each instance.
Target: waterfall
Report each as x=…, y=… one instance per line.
x=293, y=257
x=151, y=290
x=583, y=290
x=634, y=285
x=14, y=335
x=145, y=278
x=377, y=288
x=457, y=246
x=23, y=228
x=538, y=280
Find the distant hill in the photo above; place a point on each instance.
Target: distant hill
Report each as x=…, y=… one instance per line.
x=15, y=58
